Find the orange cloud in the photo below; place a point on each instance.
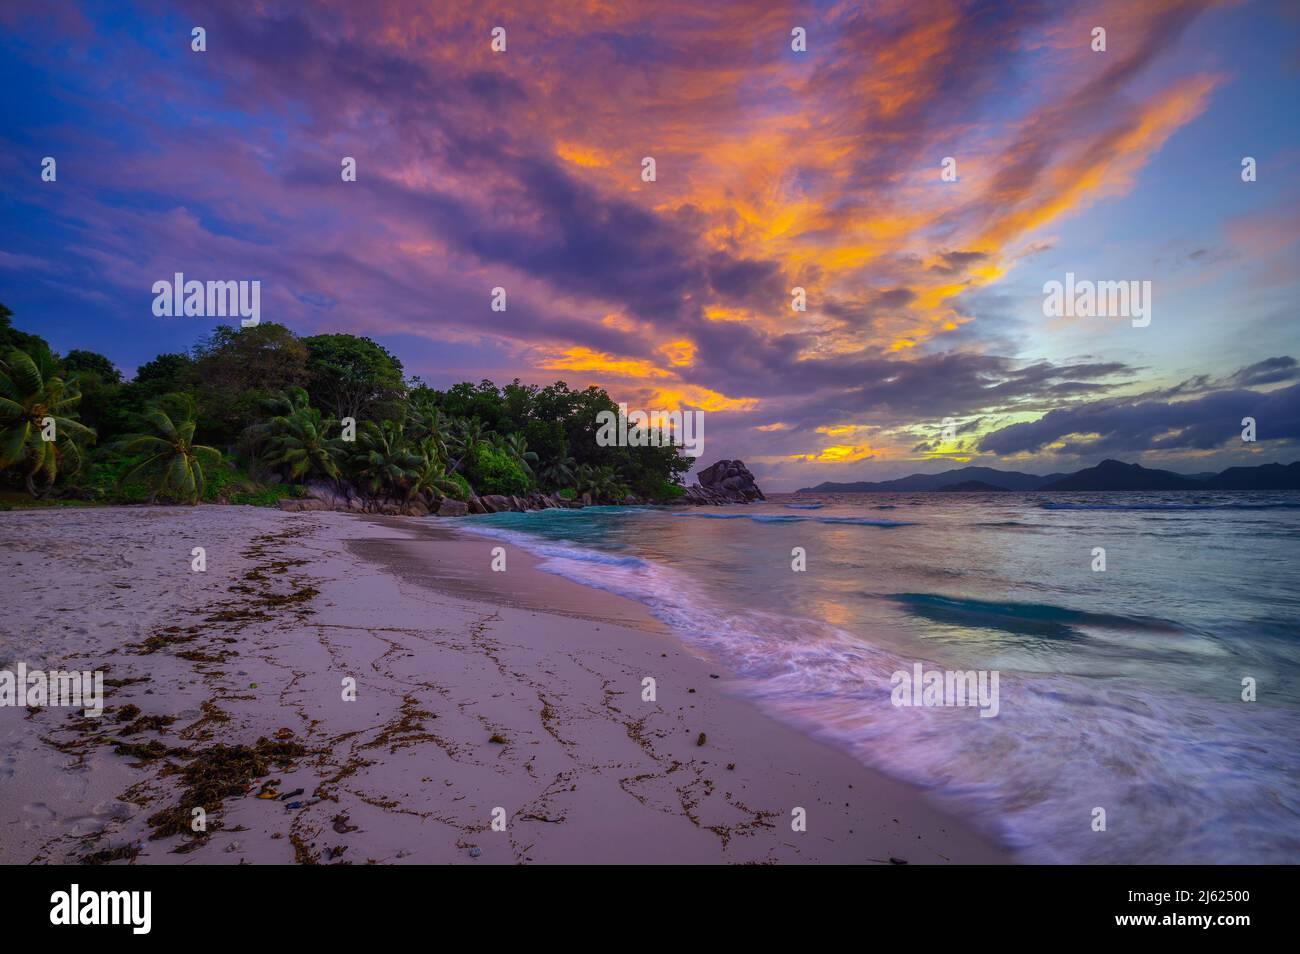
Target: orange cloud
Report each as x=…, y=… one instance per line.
x=585, y=359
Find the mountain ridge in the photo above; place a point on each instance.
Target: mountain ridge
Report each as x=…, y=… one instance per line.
x=1109, y=475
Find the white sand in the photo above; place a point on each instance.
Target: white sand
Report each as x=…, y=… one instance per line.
x=587, y=772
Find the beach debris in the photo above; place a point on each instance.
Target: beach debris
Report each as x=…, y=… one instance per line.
x=148, y=751
x=219, y=772
x=896, y=861
x=294, y=806
x=475, y=852
x=499, y=739
x=714, y=675
x=731, y=766
x=341, y=824
x=170, y=635
x=288, y=795
x=284, y=734
x=106, y=856
x=701, y=740
x=154, y=723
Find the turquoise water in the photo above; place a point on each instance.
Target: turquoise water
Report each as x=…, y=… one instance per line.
x=1119, y=690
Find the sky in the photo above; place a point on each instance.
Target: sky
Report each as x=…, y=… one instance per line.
x=924, y=344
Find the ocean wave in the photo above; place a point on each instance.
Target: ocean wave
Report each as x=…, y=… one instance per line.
x=559, y=551
x=804, y=506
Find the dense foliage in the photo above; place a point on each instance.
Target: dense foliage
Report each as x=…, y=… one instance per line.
x=250, y=415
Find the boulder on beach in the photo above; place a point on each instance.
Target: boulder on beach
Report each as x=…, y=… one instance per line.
x=726, y=482
x=452, y=508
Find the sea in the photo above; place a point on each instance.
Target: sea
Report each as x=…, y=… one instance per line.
x=1148, y=711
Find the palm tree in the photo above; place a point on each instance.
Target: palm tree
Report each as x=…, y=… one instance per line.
x=295, y=438
x=601, y=482
x=432, y=474
x=427, y=423
x=383, y=460
x=172, y=462
x=32, y=399
x=515, y=446
x=559, y=473
x=465, y=436
x=583, y=476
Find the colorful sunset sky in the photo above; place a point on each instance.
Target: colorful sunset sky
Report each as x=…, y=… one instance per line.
x=775, y=169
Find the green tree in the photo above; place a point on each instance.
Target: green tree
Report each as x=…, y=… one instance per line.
x=465, y=436
x=515, y=446
x=164, y=374
x=89, y=362
x=559, y=473
x=170, y=460
x=432, y=476
x=353, y=377
x=39, y=432
x=383, y=461
x=236, y=369
x=100, y=383
x=426, y=422
x=11, y=337
x=495, y=472
x=296, y=440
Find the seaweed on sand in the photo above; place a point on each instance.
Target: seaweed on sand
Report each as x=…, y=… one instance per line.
x=149, y=751
x=220, y=772
x=106, y=856
x=151, y=723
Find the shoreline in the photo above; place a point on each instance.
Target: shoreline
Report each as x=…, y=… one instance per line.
x=475, y=691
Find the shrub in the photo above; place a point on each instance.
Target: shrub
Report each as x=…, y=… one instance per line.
x=495, y=472
x=463, y=493
x=670, y=491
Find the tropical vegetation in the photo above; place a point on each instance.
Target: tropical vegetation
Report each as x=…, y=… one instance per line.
x=257, y=414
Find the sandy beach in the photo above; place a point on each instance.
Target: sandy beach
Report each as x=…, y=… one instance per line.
x=478, y=694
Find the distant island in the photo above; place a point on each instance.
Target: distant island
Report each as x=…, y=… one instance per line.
x=1109, y=475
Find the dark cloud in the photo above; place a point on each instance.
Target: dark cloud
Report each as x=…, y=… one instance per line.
x=1135, y=426
x=1268, y=371
x=954, y=262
